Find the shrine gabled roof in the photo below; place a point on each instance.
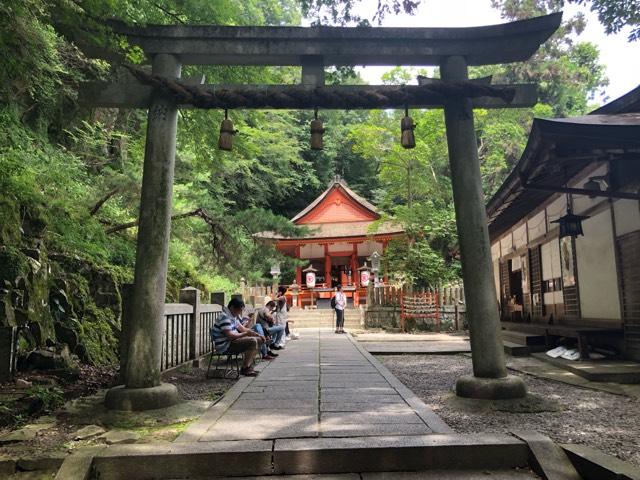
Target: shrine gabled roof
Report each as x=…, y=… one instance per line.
x=338, y=184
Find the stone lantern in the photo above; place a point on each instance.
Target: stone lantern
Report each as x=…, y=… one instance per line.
x=376, y=260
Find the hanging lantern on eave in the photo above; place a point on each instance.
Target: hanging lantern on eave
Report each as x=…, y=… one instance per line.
x=570, y=224
x=408, y=139
x=225, y=140
x=317, y=130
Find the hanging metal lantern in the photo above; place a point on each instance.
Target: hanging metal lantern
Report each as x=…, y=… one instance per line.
x=408, y=139
x=317, y=130
x=225, y=141
x=570, y=224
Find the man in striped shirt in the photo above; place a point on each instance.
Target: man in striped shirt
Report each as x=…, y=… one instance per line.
x=230, y=336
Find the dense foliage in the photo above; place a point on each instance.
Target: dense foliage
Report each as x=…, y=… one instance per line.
x=70, y=177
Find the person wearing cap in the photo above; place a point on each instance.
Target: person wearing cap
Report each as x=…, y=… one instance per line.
x=265, y=318
x=230, y=336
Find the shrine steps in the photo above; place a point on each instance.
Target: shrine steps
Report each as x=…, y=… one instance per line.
x=324, y=318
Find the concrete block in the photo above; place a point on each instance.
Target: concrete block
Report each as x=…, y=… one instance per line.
x=373, y=429
x=547, y=458
x=7, y=465
x=403, y=417
x=185, y=460
x=77, y=466
x=50, y=461
x=593, y=464
x=398, y=406
x=398, y=453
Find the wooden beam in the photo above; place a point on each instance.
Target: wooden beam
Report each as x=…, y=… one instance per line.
x=136, y=95
x=582, y=191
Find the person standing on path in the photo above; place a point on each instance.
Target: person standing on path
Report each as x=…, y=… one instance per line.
x=340, y=305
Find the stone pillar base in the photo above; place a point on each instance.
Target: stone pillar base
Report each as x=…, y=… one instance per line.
x=136, y=399
x=505, y=388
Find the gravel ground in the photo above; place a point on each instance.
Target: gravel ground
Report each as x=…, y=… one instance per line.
x=601, y=420
x=193, y=384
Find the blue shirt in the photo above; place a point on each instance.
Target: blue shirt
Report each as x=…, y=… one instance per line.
x=225, y=322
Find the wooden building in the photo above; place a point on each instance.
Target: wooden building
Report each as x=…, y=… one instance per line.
x=588, y=286
x=341, y=237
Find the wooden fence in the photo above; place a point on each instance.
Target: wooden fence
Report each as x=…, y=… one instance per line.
x=390, y=306
x=186, y=332
x=388, y=296
x=186, y=326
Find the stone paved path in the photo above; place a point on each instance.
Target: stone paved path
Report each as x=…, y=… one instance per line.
x=322, y=385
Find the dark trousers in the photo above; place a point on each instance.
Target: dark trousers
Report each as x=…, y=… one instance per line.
x=339, y=319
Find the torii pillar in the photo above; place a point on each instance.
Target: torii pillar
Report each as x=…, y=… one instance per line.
x=142, y=389
x=489, y=379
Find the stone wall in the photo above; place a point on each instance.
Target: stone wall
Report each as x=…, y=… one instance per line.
x=388, y=318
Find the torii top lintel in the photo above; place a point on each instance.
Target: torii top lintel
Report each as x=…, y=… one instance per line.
x=226, y=45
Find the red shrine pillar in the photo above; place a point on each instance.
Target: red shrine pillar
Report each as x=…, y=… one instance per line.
x=354, y=266
x=298, y=269
x=327, y=266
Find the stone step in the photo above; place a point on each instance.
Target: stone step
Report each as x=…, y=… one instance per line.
x=313, y=456
x=515, y=349
x=523, y=338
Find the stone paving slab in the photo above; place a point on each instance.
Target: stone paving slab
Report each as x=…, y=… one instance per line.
x=362, y=407
x=324, y=385
x=373, y=429
x=338, y=418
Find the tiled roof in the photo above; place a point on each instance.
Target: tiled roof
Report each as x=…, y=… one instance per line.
x=341, y=230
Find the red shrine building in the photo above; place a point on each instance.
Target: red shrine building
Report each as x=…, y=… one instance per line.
x=340, y=239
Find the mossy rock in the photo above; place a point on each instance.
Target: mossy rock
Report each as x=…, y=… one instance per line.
x=14, y=266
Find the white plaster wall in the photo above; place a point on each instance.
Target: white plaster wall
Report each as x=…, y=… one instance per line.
x=627, y=214
x=582, y=203
x=340, y=247
x=520, y=236
x=506, y=244
x=597, y=272
x=495, y=251
x=367, y=248
x=312, y=250
x=555, y=210
x=536, y=226
x=551, y=267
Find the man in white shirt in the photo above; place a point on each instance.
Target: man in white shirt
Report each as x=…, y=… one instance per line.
x=341, y=303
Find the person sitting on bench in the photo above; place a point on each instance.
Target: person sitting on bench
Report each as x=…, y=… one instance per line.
x=265, y=318
x=230, y=336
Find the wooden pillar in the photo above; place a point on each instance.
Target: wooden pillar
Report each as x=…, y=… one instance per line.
x=354, y=266
x=489, y=379
x=327, y=266
x=385, y=243
x=298, y=269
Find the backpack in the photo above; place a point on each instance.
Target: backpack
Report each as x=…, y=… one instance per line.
x=333, y=302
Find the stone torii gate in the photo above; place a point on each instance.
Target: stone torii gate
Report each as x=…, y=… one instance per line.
x=313, y=48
